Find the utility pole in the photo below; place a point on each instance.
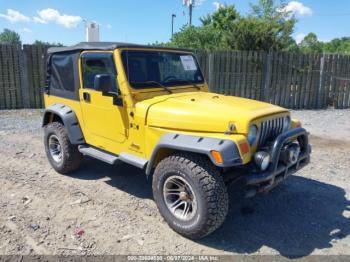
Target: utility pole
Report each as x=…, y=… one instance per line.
x=190, y=9
x=172, y=25
x=189, y=4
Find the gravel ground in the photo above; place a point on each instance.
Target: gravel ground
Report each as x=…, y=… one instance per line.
x=112, y=209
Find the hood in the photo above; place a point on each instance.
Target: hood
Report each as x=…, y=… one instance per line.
x=207, y=112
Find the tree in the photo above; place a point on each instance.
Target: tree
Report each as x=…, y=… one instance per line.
x=269, y=9
x=212, y=34
x=10, y=37
x=204, y=37
x=267, y=27
x=338, y=45
x=251, y=33
x=223, y=19
x=292, y=45
x=270, y=25
x=42, y=43
x=222, y=22
x=310, y=43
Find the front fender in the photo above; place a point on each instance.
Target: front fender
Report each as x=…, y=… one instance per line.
x=197, y=144
x=69, y=120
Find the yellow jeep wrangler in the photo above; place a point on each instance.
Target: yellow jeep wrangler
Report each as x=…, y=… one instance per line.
x=150, y=107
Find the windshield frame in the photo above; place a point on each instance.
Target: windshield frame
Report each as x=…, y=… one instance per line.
x=176, y=83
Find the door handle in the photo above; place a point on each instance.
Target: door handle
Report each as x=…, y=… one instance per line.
x=87, y=97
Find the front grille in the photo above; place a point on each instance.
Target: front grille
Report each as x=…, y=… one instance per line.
x=269, y=130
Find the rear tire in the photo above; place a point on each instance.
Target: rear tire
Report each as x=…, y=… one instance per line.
x=62, y=155
x=195, y=181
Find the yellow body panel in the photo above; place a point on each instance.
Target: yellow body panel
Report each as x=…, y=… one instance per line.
x=153, y=135
x=208, y=112
x=147, y=114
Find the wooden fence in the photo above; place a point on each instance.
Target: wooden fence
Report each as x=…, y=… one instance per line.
x=22, y=76
x=296, y=81
x=10, y=77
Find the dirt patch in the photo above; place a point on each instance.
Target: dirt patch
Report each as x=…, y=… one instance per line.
x=329, y=143
x=104, y=209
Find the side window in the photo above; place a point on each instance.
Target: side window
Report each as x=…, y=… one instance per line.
x=62, y=76
x=94, y=64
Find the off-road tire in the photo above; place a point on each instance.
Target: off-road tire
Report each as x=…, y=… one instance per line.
x=208, y=186
x=71, y=157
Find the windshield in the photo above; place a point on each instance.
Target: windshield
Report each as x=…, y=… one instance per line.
x=155, y=68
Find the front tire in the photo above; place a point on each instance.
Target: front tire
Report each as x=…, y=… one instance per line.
x=62, y=155
x=190, y=194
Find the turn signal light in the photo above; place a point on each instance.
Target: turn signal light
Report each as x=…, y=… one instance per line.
x=217, y=156
x=244, y=148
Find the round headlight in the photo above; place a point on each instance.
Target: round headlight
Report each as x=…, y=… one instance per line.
x=286, y=123
x=252, y=134
x=262, y=159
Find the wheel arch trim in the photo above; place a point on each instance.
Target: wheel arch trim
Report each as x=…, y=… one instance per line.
x=198, y=144
x=69, y=119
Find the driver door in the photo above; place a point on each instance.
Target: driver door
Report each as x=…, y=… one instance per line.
x=104, y=122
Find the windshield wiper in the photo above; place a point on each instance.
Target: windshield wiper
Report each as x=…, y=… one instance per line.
x=153, y=82
x=184, y=80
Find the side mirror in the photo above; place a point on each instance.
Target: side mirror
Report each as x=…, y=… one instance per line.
x=104, y=83
x=107, y=84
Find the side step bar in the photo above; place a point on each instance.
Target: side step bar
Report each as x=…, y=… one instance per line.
x=112, y=159
x=98, y=154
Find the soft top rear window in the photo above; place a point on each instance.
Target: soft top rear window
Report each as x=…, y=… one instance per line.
x=62, y=73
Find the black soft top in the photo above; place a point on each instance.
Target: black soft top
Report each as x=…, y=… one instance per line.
x=107, y=46
x=63, y=70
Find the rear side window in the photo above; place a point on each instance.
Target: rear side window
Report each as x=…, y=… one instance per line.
x=94, y=64
x=62, y=76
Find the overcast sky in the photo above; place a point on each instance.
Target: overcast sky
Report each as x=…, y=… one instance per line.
x=147, y=21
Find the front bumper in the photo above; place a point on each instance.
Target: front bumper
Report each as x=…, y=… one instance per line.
x=278, y=171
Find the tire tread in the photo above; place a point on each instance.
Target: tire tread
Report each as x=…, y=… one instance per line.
x=212, y=184
x=72, y=157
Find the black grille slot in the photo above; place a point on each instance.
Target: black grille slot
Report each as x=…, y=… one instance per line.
x=269, y=130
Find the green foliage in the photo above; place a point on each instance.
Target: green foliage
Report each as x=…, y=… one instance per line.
x=269, y=25
x=212, y=34
x=252, y=33
x=42, y=43
x=223, y=19
x=310, y=43
x=292, y=45
x=220, y=25
x=266, y=28
x=269, y=10
x=338, y=45
x=10, y=37
x=203, y=37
